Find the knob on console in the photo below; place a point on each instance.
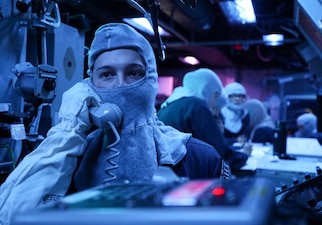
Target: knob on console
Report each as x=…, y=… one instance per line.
x=295, y=181
x=307, y=176
x=283, y=185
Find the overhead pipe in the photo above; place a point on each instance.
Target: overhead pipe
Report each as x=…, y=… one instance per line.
x=232, y=42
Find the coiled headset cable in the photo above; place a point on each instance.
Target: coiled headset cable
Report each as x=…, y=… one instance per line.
x=113, y=153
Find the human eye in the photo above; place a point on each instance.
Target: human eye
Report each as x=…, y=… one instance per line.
x=137, y=73
x=106, y=74
x=134, y=75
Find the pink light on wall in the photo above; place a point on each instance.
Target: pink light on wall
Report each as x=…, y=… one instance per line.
x=165, y=85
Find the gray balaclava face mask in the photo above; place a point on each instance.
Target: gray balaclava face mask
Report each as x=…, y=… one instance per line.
x=135, y=98
x=145, y=142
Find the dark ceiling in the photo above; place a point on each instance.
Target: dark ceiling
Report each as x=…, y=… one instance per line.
x=203, y=31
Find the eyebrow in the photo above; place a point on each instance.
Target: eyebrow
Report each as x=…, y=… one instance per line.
x=104, y=67
x=137, y=65
x=128, y=65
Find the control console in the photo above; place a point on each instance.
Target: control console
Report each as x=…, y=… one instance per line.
x=190, y=202
x=305, y=193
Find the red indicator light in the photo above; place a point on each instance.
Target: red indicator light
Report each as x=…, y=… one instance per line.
x=238, y=47
x=218, y=191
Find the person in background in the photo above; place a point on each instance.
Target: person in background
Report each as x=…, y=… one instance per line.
x=189, y=107
x=123, y=72
x=261, y=126
x=306, y=125
x=273, y=104
x=235, y=117
x=215, y=109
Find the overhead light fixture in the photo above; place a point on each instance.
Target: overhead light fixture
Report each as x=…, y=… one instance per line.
x=238, y=11
x=141, y=23
x=190, y=60
x=273, y=39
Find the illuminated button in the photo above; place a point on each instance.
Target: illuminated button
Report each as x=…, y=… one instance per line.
x=218, y=191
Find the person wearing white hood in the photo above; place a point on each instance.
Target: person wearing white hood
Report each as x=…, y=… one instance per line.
x=306, y=125
x=122, y=69
x=217, y=106
x=261, y=125
x=236, y=117
x=190, y=109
